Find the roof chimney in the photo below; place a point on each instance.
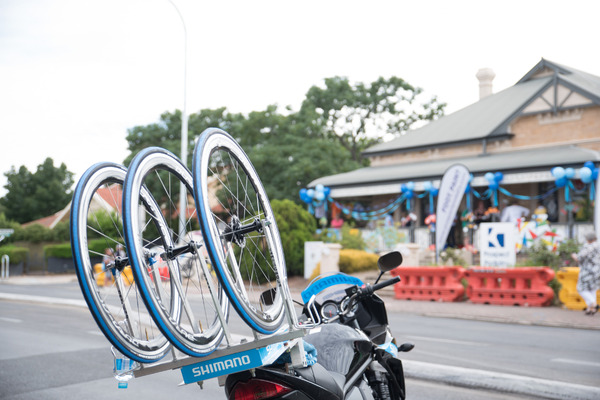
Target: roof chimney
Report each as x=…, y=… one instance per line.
x=485, y=76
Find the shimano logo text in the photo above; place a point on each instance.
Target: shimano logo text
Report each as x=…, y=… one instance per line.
x=217, y=366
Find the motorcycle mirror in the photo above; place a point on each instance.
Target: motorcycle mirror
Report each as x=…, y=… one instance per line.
x=406, y=347
x=267, y=298
x=389, y=261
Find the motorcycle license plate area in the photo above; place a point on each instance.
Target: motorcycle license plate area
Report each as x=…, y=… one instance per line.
x=236, y=362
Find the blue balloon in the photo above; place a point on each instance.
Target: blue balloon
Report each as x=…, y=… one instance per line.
x=561, y=182
x=489, y=176
x=570, y=173
x=558, y=172
x=403, y=188
x=493, y=185
x=410, y=185
x=434, y=191
x=498, y=176
x=327, y=191
x=320, y=196
x=319, y=187
x=302, y=192
x=410, y=194
x=590, y=165
x=595, y=174
x=427, y=186
x=585, y=174
x=310, y=193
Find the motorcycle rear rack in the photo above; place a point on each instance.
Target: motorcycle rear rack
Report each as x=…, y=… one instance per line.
x=235, y=357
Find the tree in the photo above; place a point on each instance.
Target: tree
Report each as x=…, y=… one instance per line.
x=288, y=162
x=296, y=226
x=167, y=132
x=359, y=115
x=31, y=196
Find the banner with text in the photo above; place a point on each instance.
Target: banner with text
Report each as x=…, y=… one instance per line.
x=452, y=188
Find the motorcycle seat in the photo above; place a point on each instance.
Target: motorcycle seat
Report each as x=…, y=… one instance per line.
x=332, y=381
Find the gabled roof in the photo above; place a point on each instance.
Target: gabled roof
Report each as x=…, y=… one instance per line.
x=490, y=117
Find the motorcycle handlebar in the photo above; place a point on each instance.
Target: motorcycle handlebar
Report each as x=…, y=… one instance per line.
x=370, y=289
x=386, y=283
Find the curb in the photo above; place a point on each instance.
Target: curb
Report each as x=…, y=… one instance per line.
x=499, y=382
x=43, y=299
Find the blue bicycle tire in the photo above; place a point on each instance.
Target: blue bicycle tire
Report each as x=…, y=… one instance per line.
x=108, y=304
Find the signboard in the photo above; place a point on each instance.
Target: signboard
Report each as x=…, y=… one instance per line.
x=6, y=232
x=313, y=253
x=497, y=244
x=452, y=189
x=233, y=363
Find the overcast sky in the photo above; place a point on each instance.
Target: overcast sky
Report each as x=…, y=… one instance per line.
x=76, y=74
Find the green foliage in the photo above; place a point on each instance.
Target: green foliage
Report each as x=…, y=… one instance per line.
x=35, y=233
x=108, y=223
x=97, y=246
x=296, y=226
x=31, y=196
x=62, y=232
x=15, y=254
x=5, y=223
x=451, y=256
x=291, y=149
x=565, y=249
x=287, y=163
x=352, y=260
x=167, y=132
x=351, y=238
x=62, y=250
x=540, y=255
x=358, y=115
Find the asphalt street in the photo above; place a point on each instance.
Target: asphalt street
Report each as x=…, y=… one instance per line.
x=457, y=357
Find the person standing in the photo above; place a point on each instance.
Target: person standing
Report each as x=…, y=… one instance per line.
x=108, y=265
x=513, y=212
x=588, y=281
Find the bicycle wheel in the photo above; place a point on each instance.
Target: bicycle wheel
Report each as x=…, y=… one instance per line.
x=157, y=248
x=109, y=290
x=239, y=228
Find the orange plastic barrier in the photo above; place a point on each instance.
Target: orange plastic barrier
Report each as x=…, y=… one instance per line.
x=510, y=286
x=429, y=283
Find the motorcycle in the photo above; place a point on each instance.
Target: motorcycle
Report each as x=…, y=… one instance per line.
x=356, y=354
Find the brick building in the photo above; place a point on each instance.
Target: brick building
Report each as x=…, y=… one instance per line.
x=549, y=118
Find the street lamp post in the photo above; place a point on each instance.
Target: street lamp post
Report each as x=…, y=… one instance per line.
x=184, y=131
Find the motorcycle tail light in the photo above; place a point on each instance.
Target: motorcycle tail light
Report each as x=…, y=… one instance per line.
x=258, y=389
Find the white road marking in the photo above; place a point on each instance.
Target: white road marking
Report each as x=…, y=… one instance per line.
x=449, y=341
x=578, y=362
x=13, y=320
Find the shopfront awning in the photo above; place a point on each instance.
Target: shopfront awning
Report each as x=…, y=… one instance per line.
x=519, y=166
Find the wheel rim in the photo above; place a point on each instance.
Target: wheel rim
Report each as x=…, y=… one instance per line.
x=240, y=229
x=112, y=295
x=194, y=327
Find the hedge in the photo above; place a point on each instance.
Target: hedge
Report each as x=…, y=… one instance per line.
x=357, y=261
x=63, y=250
x=16, y=254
